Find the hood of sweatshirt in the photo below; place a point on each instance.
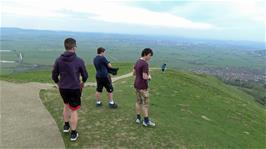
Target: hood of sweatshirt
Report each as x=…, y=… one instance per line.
x=68, y=56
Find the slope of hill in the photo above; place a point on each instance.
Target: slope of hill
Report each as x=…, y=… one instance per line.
x=191, y=111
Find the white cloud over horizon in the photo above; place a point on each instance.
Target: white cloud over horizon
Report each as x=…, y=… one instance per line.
x=114, y=12
x=222, y=19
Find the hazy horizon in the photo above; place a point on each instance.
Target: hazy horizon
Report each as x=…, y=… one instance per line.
x=166, y=36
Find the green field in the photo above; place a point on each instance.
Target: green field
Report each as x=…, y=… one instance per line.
x=42, y=47
x=44, y=76
x=190, y=110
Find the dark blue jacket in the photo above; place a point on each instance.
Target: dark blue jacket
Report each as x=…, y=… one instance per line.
x=101, y=66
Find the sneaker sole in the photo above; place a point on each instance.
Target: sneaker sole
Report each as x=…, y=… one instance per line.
x=148, y=125
x=74, y=139
x=66, y=130
x=144, y=125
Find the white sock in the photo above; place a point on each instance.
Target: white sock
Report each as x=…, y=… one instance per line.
x=98, y=102
x=111, y=102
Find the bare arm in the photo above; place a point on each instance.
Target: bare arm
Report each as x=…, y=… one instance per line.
x=134, y=72
x=109, y=65
x=145, y=76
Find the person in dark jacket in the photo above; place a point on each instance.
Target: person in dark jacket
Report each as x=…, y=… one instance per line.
x=69, y=67
x=103, y=79
x=163, y=67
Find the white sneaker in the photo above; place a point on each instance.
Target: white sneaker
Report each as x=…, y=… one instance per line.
x=138, y=121
x=150, y=123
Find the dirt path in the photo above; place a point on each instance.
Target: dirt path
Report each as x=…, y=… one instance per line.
x=114, y=79
x=25, y=122
x=93, y=84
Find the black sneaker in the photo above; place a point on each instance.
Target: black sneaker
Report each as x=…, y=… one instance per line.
x=99, y=104
x=113, y=106
x=74, y=136
x=66, y=128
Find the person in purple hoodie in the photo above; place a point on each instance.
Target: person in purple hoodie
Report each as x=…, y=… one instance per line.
x=69, y=67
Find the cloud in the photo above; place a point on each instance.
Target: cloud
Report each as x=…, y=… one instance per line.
x=106, y=11
x=253, y=10
x=30, y=8
x=123, y=14
x=223, y=11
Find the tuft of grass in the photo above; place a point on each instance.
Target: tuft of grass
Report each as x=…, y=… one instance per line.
x=190, y=110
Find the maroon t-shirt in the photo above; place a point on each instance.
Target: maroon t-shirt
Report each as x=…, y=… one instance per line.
x=141, y=67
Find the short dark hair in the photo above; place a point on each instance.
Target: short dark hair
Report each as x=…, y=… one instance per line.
x=146, y=52
x=70, y=43
x=100, y=50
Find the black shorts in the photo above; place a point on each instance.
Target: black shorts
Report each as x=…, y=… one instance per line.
x=71, y=97
x=104, y=82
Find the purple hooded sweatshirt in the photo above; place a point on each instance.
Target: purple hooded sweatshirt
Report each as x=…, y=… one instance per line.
x=69, y=67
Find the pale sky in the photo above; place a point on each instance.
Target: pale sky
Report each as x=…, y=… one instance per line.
x=212, y=19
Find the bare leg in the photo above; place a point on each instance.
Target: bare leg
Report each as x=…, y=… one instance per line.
x=145, y=109
x=110, y=97
x=66, y=113
x=74, y=120
x=98, y=96
x=138, y=108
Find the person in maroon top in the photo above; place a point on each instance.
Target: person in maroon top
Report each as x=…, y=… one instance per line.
x=142, y=76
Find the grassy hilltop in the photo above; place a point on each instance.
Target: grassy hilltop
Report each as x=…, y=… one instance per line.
x=190, y=110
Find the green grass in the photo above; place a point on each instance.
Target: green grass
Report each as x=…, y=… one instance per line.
x=190, y=110
x=44, y=76
x=42, y=47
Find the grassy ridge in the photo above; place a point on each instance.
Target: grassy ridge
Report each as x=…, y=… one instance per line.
x=44, y=76
x=191, y=111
